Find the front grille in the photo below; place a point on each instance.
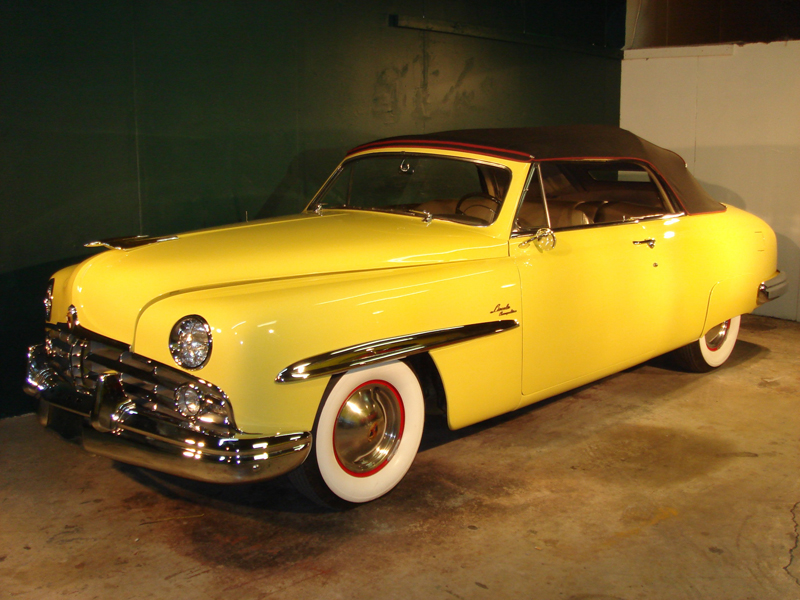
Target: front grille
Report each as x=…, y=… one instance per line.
x=81, y=356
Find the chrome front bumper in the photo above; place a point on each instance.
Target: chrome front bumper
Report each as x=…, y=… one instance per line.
x=121, y=427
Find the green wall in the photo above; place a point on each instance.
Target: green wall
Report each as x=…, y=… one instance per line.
x=133, y=116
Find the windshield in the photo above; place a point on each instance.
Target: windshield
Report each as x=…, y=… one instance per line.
x=446, y=188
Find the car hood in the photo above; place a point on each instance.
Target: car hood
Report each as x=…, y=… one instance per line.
x=111, y=289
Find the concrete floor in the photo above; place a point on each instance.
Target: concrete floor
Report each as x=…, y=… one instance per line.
x=647, y=485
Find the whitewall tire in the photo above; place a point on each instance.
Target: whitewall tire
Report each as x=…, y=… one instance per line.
x=711, y=350
x=367, y=435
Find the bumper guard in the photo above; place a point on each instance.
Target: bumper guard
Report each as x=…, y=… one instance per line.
x=117, y=427
x=772, y=288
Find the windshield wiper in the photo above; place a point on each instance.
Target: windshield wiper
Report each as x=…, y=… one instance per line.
x=426, y=216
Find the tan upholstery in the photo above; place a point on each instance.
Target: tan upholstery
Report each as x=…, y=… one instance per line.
x=477, y=207
x=562, y=214
x=586, y=208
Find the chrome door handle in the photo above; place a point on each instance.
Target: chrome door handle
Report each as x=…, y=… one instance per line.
x=651, y=242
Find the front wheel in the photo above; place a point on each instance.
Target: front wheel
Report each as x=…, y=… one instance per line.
x=367, y=434
x=711, y=350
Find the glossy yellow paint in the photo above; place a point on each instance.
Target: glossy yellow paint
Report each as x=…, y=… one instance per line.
x=112, y=289
x=598, y=303
x=259, y=329
x=278, y=291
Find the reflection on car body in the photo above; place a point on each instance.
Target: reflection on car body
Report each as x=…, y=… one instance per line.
x=467, y=272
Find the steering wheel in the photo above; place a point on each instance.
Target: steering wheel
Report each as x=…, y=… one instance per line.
x=482, y=196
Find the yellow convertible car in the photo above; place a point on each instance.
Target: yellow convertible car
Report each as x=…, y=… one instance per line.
x=465, y=272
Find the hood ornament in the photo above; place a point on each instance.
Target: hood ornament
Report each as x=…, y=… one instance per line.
x=132, y=241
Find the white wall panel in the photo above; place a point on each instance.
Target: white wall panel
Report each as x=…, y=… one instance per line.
x=733, y=112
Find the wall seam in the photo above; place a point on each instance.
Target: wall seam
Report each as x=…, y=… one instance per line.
x=136, y=128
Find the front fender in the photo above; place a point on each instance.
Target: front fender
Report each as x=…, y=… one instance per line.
x=260, y=329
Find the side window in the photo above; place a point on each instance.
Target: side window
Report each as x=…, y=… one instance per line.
x=584, y=192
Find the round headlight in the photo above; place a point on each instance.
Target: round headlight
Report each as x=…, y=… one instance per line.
x=48, y=299
x=188, y=400
x=190, y=342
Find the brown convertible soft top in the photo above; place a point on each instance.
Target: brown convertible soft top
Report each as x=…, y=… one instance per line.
x=562, y=142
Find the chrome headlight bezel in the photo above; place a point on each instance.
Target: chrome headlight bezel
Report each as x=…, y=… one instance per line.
x=190, y=342
x=201, y=408
x=48, y=299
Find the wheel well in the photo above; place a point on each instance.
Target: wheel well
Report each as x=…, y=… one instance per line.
x=430, y=381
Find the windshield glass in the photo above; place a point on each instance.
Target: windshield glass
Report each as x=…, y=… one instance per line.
x=447, y=188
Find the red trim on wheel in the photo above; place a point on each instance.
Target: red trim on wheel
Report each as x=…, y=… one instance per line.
x=399, y=398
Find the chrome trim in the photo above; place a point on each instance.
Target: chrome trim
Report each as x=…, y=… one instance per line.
x=649, y=242
x=120, y=426
x=200, y=458
x=368, y=428
x=394, y=348
x=68, y=368
x=175, y=347
x=531, y=172
x=665, y=198
x=544, y=239
x=128, y=242
x=544, y=197
x=717, y=335
x=48, y=299
x=520, y=233
x=772, y=288
x=121, y=432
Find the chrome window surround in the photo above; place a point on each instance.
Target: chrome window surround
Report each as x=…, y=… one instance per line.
x=393, y=348
x=81, y=358
x=666, y=198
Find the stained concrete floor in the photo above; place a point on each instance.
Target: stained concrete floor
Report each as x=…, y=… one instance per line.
x=649, y=484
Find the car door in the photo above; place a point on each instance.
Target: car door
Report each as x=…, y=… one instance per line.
x=596, y=298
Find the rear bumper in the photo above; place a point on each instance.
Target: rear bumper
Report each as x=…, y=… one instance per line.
x=771, y=289
x=117, y=426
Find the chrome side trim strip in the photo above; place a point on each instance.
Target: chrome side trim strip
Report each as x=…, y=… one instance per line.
x=393, y=348
x=132, y=241
x=772, y=288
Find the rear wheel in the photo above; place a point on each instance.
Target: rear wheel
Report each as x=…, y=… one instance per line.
x=711, y=350
x=366, y=436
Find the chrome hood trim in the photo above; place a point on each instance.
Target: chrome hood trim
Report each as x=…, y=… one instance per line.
x=126, y=243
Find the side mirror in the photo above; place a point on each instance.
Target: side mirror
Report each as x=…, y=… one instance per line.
x=544, y=239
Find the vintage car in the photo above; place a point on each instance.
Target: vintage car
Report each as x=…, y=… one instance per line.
x=465, y=272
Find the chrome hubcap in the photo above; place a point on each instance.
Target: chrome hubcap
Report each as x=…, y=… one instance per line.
x=716, y=337
x=368, y=428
